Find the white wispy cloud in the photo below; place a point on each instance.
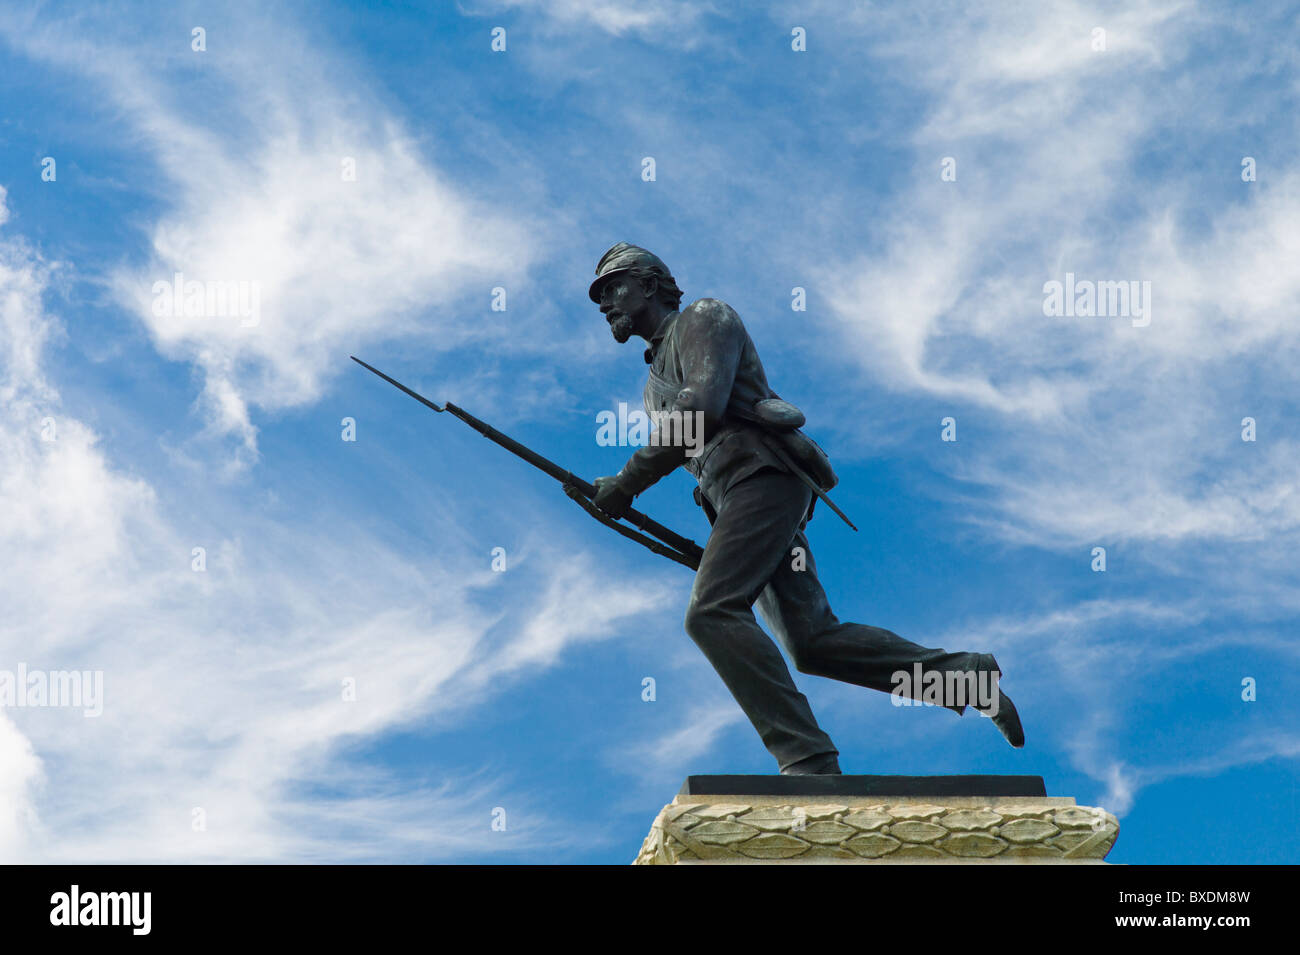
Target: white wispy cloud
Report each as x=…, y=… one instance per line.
x=252, y=164
x=677, y=751
x=1106, y=430
x=613, y=17
x=1124, y=782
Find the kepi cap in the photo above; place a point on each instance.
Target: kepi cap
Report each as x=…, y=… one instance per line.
x=620, y=259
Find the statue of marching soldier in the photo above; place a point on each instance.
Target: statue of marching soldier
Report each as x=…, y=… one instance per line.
x=759, y=478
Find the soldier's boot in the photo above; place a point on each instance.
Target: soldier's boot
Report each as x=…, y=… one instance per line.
x=823, y=764
x=1006, y=719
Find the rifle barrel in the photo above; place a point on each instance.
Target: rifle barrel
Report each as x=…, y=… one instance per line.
x=529, y=455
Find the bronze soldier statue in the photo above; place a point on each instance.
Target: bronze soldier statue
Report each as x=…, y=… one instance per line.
x=759, y=478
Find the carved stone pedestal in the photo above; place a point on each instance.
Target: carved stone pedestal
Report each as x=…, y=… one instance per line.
x=856, y=820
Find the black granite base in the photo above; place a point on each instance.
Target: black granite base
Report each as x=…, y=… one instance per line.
x=864, y=786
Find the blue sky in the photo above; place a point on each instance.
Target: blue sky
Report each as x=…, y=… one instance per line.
x=371, y=560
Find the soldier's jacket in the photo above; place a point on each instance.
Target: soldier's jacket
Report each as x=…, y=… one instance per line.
x=702, y=359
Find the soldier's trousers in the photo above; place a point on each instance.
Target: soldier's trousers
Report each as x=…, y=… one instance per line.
x=750, y=557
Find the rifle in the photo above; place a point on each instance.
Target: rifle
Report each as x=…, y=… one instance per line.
x=673, y=546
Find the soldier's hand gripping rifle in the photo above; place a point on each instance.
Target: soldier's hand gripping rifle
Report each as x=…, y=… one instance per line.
x=673, y=546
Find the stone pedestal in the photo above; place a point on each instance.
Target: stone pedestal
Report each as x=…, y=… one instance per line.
x=856, y=820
